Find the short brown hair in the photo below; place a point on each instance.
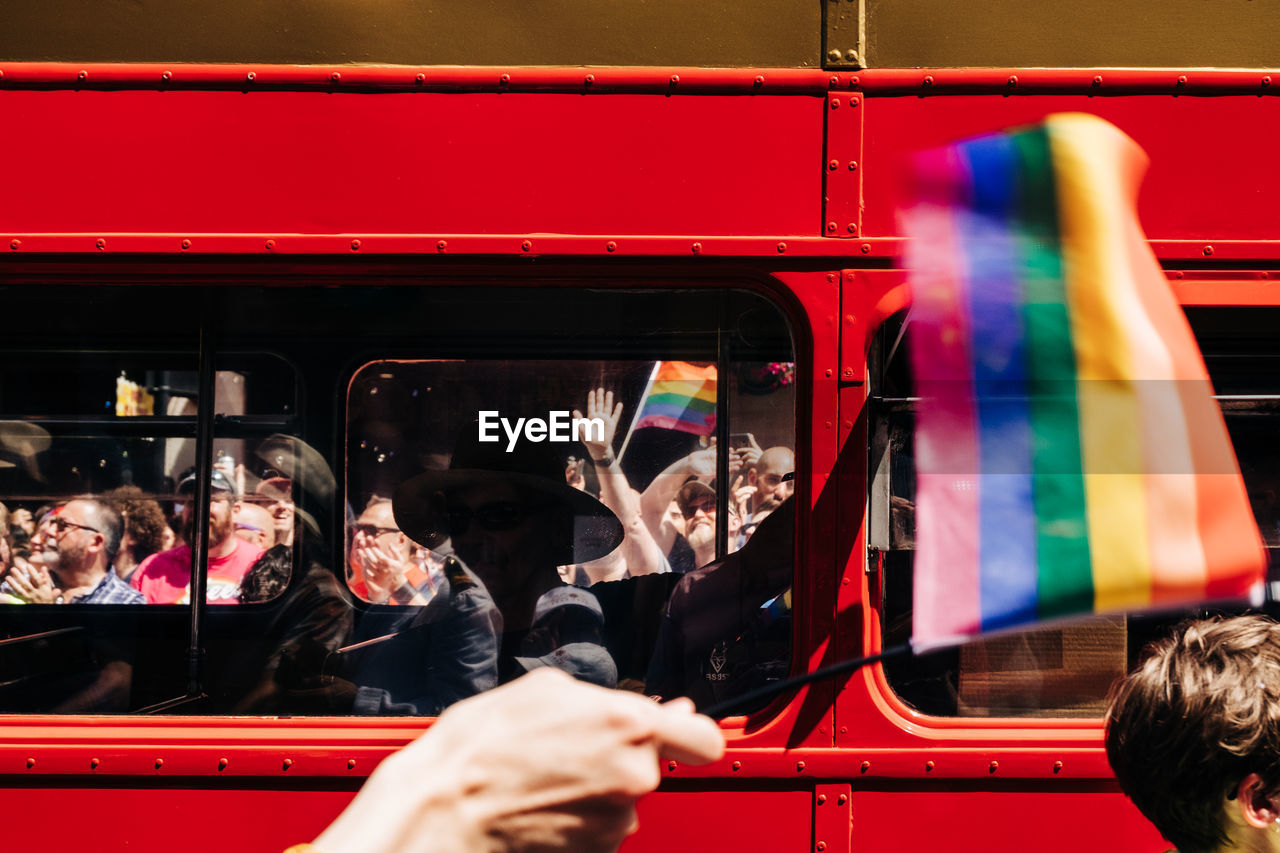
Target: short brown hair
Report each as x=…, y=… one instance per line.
x=1200, y=713
x=143, y=519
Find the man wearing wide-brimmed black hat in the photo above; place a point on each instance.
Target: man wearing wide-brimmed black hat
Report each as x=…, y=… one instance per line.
x=512, y=519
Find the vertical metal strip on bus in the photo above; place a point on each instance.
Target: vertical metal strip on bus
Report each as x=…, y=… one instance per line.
x=200, y=509
x=724, y=492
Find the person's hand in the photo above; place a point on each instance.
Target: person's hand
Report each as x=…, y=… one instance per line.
x=600, y=406
x=702, y=463
x=744, y=458
x=544, y=763
x=383, y=572
x=34, y=585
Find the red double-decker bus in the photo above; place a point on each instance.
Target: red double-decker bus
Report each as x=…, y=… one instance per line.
x=308, y=246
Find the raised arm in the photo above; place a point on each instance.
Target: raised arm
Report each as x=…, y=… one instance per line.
x=641, y=551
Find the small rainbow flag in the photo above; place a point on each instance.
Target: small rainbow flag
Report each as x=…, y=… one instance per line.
x=680, y=396
x=1070, y=457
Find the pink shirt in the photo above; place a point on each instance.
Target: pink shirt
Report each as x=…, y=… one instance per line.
x=165, y=578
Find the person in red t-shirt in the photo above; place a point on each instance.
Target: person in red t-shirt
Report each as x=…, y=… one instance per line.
x=165, y=578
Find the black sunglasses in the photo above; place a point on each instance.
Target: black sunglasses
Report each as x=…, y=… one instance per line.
x=373, y=530
x=61, y=525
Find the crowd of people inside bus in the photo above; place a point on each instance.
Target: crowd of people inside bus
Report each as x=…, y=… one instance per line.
x=500, y=563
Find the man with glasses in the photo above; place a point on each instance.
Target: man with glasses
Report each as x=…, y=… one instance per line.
x=77, y=544
x=380, y=566
x=165, y=578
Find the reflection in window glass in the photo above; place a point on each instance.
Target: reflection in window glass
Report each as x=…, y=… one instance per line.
x=576, y=502
x=369, y=553
x=1067, y=670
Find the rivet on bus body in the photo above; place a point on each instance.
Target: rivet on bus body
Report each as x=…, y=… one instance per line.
x=83, y=75
x=270, y=244
x=675, y=80
x=853, y=82
x=853, y=102
x=441, y=246
x=759, y=81
x=822, y=799
x=866, y=765
x=222, y=764
x=610, y=246
x=927, y=81
x=835, y=103
x=697, y=248
x=848, y=372
x=1057, y=767
x=355, y=245
x=782, y=247
x=1182, y=80
x=833, y=165
x=844, y=730
x=351, y=764
x=186, y=244
x=420, y=78
x=1208, y=250
x=842, y=799
x=589, y=79
x=31, y=762
x=101, y=244
x=166, y=76
x=286, y=764
x=1266, y=81
x=335, y=76
x=866, y=248
x=799, y=766
x=14, y=245
x=159, y=763
x=250, y=77
x=526, y=246
x=993, y=767
x=93, y=763
x=1013, y=79
x=834, y=56
x=831, y=228
x=853, y=165
x=504, y=79
x=828, y=373
x=821, y=845
x=737, y=765
x=1, y=75
x=851, y=56
x=928, y=767
x=844, y=582
x=852, y=228
x=1097, y=81
x=671, y=767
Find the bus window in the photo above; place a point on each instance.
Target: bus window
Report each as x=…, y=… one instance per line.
x=1059, y=670
x=634, y=569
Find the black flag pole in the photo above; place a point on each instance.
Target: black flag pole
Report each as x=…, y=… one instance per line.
x=723, y=709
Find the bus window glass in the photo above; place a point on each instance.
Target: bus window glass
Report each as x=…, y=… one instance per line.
x=653, y=551
x=1060, y=670
x=531, y=462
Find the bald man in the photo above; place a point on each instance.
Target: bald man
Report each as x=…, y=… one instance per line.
x=766, y=475
x=256, y=525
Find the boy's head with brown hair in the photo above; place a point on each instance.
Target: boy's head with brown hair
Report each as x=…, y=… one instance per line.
x=1193, y=734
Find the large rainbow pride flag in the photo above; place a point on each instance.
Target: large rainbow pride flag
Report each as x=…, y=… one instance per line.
x=680, y=396
x=1070, y=457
